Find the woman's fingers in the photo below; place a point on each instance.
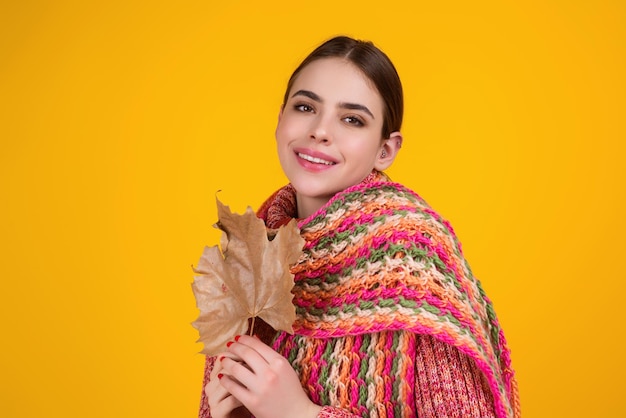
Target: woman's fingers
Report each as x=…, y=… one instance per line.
x=215, y=392
x=240, y=373
x=221, y=402
x=269, y=381
x=265, y=351
x=253, y=352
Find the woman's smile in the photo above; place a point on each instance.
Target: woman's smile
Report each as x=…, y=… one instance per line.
x=314, y=160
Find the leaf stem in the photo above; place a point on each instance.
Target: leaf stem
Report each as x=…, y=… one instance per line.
x=251, y=333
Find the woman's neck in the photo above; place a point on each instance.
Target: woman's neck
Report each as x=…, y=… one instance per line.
x=307, y=206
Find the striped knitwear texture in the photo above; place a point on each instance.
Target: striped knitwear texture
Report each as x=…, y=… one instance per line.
x=377, y=258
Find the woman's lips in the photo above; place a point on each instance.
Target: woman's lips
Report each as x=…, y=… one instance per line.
x=313, y=160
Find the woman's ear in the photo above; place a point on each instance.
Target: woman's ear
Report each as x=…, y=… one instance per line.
x=388, y=151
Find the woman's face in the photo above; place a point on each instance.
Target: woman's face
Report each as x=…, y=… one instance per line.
x=329, y=132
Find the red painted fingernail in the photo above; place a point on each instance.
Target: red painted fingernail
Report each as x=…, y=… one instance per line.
x=222, y=358
x=228, y=344
x=237, y=337
x=220, y=375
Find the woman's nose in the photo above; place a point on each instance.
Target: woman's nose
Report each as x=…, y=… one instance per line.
x=320, y=130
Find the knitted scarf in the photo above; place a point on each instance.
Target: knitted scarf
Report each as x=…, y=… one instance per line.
x=377, y=258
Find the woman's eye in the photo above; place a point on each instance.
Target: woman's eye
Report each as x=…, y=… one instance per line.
x=353, y=120
x=303, y=108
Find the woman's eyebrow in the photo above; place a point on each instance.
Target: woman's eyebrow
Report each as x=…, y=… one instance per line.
x=356, y=106
x=309, y=94
x=342, y=105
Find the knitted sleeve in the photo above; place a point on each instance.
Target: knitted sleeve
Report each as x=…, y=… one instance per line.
x=332, y=412
x=204, y=402
x=448, y=382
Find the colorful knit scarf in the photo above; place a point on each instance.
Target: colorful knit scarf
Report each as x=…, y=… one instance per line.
x=378, y=258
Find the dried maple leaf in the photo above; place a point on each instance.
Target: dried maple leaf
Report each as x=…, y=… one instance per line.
x=249, y=278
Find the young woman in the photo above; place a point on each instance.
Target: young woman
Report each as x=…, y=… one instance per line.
x=390, y=320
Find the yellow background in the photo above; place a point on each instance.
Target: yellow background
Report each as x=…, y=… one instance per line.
x=120, y=120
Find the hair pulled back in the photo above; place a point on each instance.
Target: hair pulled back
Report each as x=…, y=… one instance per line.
x=374, y=64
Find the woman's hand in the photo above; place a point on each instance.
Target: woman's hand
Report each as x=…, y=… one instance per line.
x=221, y=403
x=265, y=383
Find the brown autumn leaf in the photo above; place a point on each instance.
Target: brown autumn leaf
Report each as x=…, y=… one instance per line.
x=249, y=278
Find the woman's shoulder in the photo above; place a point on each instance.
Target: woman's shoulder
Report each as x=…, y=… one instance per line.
x=380, y=194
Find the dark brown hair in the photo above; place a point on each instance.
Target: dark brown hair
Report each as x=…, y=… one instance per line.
x=374, y=64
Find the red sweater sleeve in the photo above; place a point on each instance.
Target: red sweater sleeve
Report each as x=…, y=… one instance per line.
x=448, y=383
x=204, y=403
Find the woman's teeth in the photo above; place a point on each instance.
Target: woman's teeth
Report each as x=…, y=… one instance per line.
x=314, y=159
